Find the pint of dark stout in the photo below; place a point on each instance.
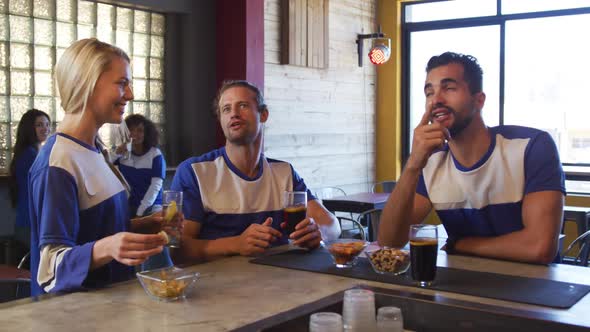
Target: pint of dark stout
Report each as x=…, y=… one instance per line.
x=294, y=209
x=423, y=253
x=293, y=215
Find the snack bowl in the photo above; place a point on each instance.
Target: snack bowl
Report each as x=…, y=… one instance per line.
x=389, y=261
x=346, y=251
x=168, y=284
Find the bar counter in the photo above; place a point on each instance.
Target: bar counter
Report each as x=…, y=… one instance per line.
x=233, y=292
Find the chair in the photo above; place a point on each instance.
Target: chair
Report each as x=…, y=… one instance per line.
x=351, y=232
x=15, y=279
x=368, y=232
x=383, y=187
x=581, y=257
x=371, y=219
x=330, y=192
x=357, y=230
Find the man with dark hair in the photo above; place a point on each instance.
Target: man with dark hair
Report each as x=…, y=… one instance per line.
x=498, y=191
x=233, y=195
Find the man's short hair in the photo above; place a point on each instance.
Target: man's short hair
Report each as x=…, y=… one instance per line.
x=472, y=72
x=228, y=84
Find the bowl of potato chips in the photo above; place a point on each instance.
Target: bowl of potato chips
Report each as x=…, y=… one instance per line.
x=168, y=284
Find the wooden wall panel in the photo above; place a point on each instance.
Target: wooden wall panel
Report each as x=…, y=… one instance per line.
x=293, y=32
x=304, y=32
x=317, y=33
x=323, y=120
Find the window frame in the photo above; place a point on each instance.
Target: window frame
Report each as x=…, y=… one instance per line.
x=407, y=28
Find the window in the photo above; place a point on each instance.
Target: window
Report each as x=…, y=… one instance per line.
x=450, y=10
x=535, y=71
x=35, y=33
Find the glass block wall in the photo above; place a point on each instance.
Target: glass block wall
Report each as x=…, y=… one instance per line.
x=35, y=33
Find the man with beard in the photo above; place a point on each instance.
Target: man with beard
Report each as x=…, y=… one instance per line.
x=498, y=191
x=233, y=195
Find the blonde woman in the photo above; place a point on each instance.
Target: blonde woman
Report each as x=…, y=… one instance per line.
x=79, y=209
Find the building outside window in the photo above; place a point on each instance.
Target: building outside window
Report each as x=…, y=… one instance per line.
x=35, y=33
x=534, y=59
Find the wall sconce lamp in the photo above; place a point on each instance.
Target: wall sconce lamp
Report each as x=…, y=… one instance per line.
x=380, y=52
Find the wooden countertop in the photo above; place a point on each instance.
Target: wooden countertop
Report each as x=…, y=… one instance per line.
x=232, y=292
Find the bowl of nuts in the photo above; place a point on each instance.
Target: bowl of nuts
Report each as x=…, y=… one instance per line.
x=346, y=251
x=391, y=261
x=168, y=284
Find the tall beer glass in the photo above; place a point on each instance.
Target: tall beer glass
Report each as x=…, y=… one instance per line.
x=423, y=253
x=294, y=209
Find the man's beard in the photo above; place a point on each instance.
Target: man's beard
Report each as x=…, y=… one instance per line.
x=460, y=122
x=240, y=140
x=244, y=139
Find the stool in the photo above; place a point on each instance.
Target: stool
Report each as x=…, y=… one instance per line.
x=15, y=283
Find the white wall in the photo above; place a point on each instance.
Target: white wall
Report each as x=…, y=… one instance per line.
x=323, y=120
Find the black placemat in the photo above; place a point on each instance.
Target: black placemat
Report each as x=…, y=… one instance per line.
x=483, y=284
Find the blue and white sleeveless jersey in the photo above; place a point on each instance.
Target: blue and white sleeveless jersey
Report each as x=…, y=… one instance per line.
x=139, y=171
x=486, y=199
x=75, y=199
x=226, y=201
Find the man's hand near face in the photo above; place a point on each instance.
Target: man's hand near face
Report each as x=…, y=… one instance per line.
x=427, y=138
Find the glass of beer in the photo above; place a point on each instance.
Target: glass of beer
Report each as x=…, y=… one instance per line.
x=172, y=212
x=294, y=209
x=423, y=253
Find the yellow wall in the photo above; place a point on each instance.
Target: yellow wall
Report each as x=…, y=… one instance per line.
x=570, y=228
x=388, y=125
x=577, y=200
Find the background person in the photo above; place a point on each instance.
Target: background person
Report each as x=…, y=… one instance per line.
x=79, y=210
x=33, y=129
x=498, y=191
x=233, y=195
x=145, y=169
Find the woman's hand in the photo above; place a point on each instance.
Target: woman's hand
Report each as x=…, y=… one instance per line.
x=151, y=224
x=126, y=248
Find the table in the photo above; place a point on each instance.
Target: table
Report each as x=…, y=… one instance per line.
x=233, y=292
x=360, y=203
x=356, y=203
